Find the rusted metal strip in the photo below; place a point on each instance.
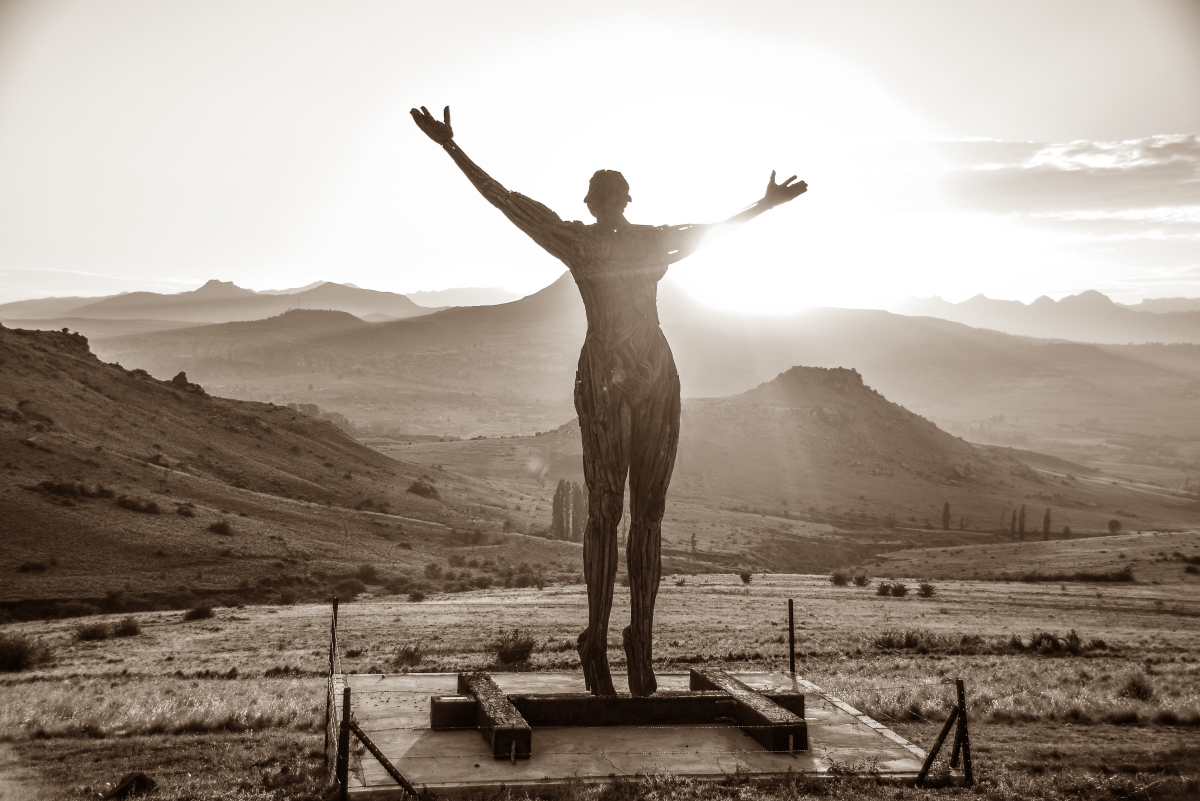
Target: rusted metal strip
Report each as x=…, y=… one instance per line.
x=387, y=765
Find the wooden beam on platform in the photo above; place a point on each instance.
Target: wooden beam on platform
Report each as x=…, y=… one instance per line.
x=498, y=720
x=776, y=728
x=665, y=707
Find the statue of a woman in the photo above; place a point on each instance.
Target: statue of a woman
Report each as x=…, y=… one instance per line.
x=626, y=389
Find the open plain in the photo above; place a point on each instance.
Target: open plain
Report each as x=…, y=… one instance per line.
x=1074, y=689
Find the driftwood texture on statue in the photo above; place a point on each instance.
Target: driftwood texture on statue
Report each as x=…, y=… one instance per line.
x=626, y=389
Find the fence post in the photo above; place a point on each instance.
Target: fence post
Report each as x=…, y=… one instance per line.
x=329, y=690
x=791, y=637
x=343, y=759
x=962, y=737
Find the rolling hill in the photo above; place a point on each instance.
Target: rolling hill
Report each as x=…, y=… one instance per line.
x=114, y=482
x=813, y=467
x=509, y=368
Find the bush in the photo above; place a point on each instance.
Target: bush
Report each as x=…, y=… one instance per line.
x=423, y=489
x=513, y=647
x=899, y=590
x=397, y=585
x=926, y=590
x=185, y=511
x=89, y=632
x=481, y=582
x=221, y=527
x=201, y=611
x=128, y=627
x=883, y=589
x=861, y=579
x=1138, y=688
x=416, y=596
x=17, y=653
x=1191, y=569
x=349, y=589
x=433, y=571
x=77, y=609
x=456, y=560
x=135, y=505
x=839, y=578
x=367, y=573
x=33, y=567
x=407, y=655
x=745, y=576
x=1114, y=526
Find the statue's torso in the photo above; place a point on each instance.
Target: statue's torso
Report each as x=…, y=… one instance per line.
x=617, y=272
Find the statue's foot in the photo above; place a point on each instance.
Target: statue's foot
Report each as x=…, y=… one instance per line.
x=595, y=666
x=641, y=671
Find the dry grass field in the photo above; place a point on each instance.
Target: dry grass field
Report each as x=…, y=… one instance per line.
x=231, y=707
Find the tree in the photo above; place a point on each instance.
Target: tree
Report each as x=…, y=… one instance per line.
x=1013, y=530
x=578, y=511
x=946, y=516
x=1046, y=525
x=557, y=526
x=692, y=542
x=1021, y=523
x=1114, y=526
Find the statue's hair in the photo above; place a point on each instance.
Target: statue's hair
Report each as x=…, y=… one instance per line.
x=608, y=185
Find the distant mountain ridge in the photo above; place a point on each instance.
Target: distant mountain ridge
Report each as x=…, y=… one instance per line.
x=1089, y=316
x=217, y=302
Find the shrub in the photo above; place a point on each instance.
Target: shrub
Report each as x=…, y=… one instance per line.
x=416, y=596
x=89, y=632
x=513, y=647
x=349, y=589
x=861, y=579
x=201, y=611
x=1114, y=526
x=1137, y=687
x=839, y=578
x=926, y=590
x=287, y=597
x=367, y=573
x=456, y=560
x=746, y=576
x=899, y=590
x=408, y=655
x=482, y=582
x=423, y=489
x=33, y=567
x=397, y=585
x=17, y=653
x=77, y=609
x=128, y=627
x=1191, y=569
x=185, y=511
x=135, y=505
x=883, y=589
x=221, y=527
x=433, y=571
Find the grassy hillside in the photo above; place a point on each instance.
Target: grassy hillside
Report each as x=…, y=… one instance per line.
x=1150, y=556
x=114, y=482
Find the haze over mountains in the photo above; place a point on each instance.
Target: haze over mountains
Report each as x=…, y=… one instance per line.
x=1087, y=317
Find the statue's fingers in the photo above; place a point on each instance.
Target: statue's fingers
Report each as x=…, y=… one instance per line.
x=789, y=181
x=772, y=177
x=446, y=116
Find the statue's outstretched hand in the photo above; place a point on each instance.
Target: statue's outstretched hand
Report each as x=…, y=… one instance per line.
x=440, y=132
x=777, y=193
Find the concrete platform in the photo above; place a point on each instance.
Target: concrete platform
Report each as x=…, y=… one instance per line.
x=393, y=710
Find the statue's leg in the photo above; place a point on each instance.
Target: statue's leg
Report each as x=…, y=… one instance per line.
x=652, y=458
x=605, y=425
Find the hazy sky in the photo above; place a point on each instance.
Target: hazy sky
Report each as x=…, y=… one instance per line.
x=952, y=146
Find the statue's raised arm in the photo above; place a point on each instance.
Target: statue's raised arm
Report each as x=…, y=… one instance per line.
x=684, y=240
x=538, y=221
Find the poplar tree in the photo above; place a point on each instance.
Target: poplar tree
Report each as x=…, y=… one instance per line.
x=1021, y=523
x=946, y=516
x=1046, y=525
x=578, y=512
